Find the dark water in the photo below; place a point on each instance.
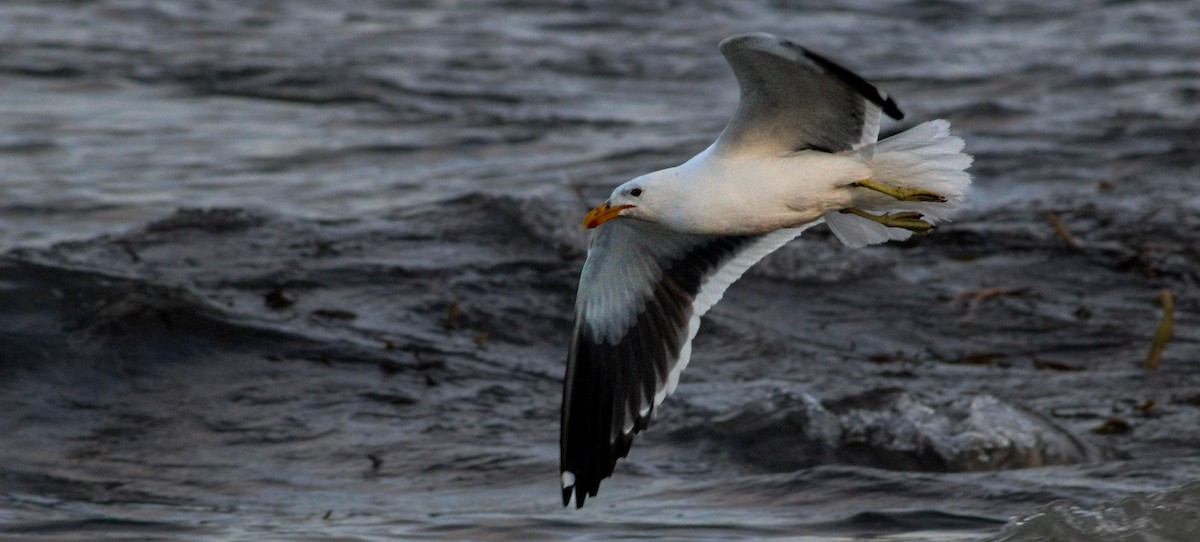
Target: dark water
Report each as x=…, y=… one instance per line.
x=355, y=328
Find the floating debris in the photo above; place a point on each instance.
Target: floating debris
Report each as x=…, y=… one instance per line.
x=894, y=357
x=1163, y=333
x=1113, y=426
x=1052, y=365
x=978, y=358
x=1061, y=229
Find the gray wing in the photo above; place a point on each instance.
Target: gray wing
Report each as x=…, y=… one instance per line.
x=641, y=295
x=793, y=99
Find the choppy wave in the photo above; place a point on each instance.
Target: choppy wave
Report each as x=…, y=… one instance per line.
x=406, y=368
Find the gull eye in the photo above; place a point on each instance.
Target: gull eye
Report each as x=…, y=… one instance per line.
x=635, y=192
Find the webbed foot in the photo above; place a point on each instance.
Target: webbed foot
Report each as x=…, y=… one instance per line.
x=907, y=220
x=899, y=192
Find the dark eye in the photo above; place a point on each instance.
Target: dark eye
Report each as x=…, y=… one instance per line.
x=635, y=192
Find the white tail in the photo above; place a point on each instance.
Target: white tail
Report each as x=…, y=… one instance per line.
x=926, y=157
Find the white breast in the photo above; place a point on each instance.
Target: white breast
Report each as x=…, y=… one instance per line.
x=741, y=194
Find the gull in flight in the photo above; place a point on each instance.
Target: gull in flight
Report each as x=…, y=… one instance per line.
x=801, y=149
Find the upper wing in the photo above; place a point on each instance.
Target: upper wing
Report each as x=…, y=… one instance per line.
x=641, y=295
x=793, y=99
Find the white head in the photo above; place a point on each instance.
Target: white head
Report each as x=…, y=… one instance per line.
x=645, y=198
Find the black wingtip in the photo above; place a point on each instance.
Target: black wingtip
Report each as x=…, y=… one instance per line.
x=580, y=496
x=763, y=41
x=890, y=108
x=854, y=81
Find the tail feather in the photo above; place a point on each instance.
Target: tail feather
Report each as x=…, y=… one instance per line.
x=925, y=157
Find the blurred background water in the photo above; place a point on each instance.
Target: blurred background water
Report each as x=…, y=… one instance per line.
x=116, y=112
x=374, y=134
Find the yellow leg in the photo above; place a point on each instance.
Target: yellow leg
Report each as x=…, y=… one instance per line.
x=900, y=193
x=907, y=220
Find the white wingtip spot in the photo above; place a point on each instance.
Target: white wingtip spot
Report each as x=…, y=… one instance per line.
x=568, y=479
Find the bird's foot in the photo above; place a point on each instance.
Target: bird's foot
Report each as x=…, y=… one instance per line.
x=907, y=220
x=901, y=193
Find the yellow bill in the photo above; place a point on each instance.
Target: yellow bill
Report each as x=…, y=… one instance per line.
x=602, y=214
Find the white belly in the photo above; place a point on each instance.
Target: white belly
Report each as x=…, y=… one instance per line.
x=757, y=194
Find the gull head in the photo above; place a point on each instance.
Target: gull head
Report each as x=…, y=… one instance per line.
x=642, y=199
